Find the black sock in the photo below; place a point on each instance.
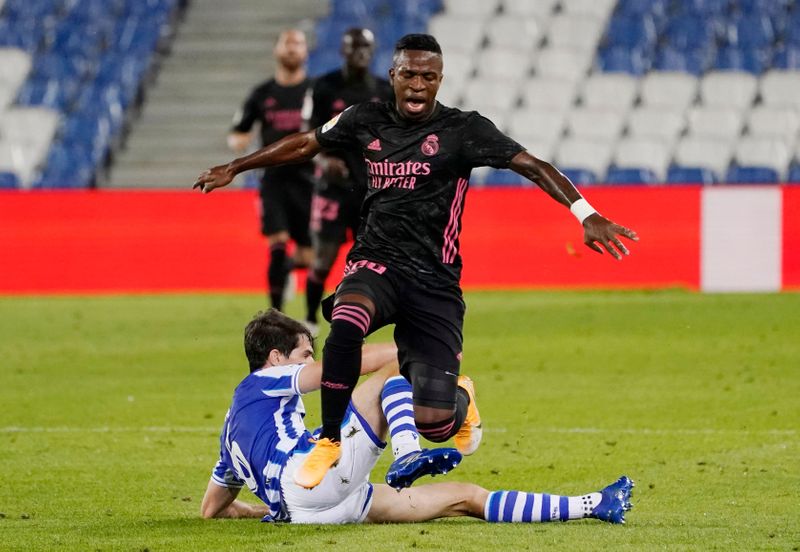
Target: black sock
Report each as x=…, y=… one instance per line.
x=341, y=364
x=277, y=274
x=315, y=288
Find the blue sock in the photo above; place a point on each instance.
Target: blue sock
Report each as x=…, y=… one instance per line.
x=521, y=507
x=398, y=408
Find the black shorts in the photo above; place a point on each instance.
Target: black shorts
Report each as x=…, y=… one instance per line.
x=334, y=210
x=286, y=206
x=428, y=327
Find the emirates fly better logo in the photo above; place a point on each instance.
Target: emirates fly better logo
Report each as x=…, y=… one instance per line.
x=431, y=145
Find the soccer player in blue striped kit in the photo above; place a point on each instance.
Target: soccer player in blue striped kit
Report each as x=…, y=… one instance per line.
x=264, y=441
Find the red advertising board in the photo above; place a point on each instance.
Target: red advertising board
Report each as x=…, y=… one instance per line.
x=139, y=241
x=791, y=238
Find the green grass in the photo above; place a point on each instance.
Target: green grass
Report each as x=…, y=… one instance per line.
x=109, y=410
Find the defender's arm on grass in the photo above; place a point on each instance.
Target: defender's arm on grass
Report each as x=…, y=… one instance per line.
x=596, y=228
x=220, y=502
x=295, y=148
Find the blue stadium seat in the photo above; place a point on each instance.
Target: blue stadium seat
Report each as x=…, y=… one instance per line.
x=68, y=166
x=751, y=175
x=322, y=61
x=708, y=7
x=504, y=177
x=691, y=61
x=638, y=8
x=136, y=35
x=622, y=59
x=381, y=62
x=123, y=71
x=89, y=61
x=794, y=173
x=792, y=34
x=47, y=93
x=18, y=34
x=632, y=32
x=155, y=9
x=751, y=31
x=64, y=157
x=81, y=178
x=8, y=181
x=579, y=176
x=772, y=8
x=415, y=8
x=689, y=175
x=95, y=10
x=90, y=133
x=786, y=57
x=742, y=59
x=619, y=175
x=690, y=32
x=56, y=66
x=80, y=39
x=31, y=11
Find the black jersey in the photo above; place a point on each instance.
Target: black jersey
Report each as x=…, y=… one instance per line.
x=418, y=174
x=278, y=109
x=331, y=94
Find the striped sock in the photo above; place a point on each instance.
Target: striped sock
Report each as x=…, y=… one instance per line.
x=521, y=507
x=399, y=411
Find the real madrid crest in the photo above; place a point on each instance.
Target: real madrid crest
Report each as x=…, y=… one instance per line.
x=431, y=145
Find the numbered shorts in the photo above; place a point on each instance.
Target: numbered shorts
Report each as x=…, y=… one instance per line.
x=286, y=207
x=334, y=210
x=345, y=493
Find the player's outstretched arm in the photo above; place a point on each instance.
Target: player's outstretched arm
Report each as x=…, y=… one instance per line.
x=373, y=358
x=597, y=230
x=295, y=148
x=220, y=502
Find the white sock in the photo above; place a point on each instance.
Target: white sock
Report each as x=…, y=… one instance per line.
x=398, y=408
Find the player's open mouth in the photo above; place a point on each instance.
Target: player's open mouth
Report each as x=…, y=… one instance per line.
x=415, y=105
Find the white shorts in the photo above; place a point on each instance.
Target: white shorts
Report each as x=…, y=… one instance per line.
x=345, y=493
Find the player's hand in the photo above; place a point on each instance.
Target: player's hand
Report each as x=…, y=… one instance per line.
x=215, y=177
x=599, y=231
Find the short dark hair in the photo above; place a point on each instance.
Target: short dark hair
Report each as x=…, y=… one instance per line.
x=424, y=42
x=271, y=330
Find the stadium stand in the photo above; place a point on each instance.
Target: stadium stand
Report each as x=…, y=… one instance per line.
x=680, y=88
x=668, y=91
x=76, y=71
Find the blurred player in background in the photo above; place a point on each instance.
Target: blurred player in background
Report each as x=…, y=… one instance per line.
x=264, y=441
x=285, y=192
x=405, y=266
x=336, y=207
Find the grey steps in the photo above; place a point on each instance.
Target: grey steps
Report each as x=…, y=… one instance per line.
x=221, y=51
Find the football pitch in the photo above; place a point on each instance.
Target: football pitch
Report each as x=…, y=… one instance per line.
x=111, y=408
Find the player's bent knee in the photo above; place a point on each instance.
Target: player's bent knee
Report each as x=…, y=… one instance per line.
x=434, y=388
x=440, y=430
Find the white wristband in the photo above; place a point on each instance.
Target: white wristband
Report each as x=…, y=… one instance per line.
x=581, y=209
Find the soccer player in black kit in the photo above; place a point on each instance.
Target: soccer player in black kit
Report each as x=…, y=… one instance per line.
x=336, y=206
x=285, y=191
x=405, y=267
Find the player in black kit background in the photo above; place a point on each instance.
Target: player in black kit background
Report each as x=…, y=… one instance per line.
x=336, y=206
x=405, y=266
x=285, y=192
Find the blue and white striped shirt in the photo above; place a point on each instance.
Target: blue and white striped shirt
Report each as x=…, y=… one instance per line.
x=263, y=428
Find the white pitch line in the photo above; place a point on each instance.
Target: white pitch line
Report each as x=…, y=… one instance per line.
x=561, y=430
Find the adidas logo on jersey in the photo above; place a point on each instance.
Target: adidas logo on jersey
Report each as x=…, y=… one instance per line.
x=375, y=145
